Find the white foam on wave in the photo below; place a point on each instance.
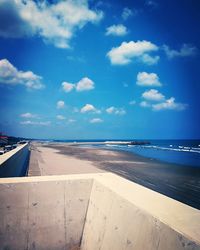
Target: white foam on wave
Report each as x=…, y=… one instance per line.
x=195, y=148
x=179, y=149
x=117, y=142
x=112, y=145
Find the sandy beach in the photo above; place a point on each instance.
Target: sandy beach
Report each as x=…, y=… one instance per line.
x=178, y=182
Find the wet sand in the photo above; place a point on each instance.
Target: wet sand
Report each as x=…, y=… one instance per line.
x=178, y=182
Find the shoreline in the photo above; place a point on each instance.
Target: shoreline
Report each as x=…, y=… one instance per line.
x=172, y=180
x=171, y=152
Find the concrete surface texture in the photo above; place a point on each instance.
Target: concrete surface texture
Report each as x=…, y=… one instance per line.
x=48, y=161
x=92, y=211
x=124, y=215
x=14, y=163
x=42, y=214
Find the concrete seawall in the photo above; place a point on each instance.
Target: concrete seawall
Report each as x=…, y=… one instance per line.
x=92, y=211
x=14, y=163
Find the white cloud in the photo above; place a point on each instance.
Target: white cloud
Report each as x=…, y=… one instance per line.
x=185, y=50
x=116, y=111
x=148, y=79
x=47, y=123
x=28, y=115
x=116, y=30
x=127, y=51
x=85, y=84
x=110, y=110
x=169, y=104
x=60, y=104
x=56, y=23
x=150, y=60
x=126, y=13
x=71, y=120
x=153, y=95
x=96, y=120
x=67, y=87
x=12, y=76
x=133, y=102
x=60, y=117
x=145, y=104
x=89, y=108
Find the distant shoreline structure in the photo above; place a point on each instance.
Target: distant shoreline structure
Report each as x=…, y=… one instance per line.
x=128, y=142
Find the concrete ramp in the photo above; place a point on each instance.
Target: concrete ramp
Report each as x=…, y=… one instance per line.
x=90, y=212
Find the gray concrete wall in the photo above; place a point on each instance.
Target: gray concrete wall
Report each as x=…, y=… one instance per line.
x=123, y=215
x=43, y=214
x=15, y=162
x=92, y=211
x=113, y=222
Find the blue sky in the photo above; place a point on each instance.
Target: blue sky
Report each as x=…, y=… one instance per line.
x=100, y=69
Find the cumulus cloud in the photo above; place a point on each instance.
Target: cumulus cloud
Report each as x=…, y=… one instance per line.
x=166, y=104
x=96, y=120
x=90, y=108
x=116, y=111
x=85, y=84
x=128, y=51
x=47, y=123
x=150, y=60
x=12, y=76
x=60, y=117
x=60, y=104
x=148, y=79
x=185, y=50
x=29, y=115
x=153, y=95
x=126, y=13
x=169, y=104
x=145, y=104
x=67, y=86
x=116, y=30
x=56, y=23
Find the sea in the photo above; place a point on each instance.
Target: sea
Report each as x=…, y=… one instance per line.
x=182, y=152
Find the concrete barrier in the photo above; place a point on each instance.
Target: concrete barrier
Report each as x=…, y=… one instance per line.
x=92, y=211
x=43, y=212
x=125, y=215
x=15, y=162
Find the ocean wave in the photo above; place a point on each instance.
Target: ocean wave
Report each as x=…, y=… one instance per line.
x=196, y=148
x=117, y=142
x=112, y=145
x=155, y=147
x=179, y=149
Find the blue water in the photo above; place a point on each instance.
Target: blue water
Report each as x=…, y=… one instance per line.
x=184, y=152
x=180, y=151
